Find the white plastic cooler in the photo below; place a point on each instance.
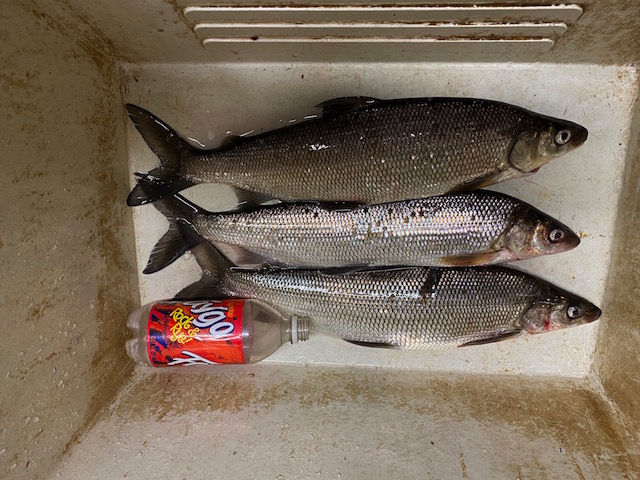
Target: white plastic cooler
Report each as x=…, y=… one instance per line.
x=561, y=405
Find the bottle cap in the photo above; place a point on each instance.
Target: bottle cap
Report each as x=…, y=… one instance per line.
x=299, y=329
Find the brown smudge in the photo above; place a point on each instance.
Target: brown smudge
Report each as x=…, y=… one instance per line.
x=14, y=82
x=463, y=466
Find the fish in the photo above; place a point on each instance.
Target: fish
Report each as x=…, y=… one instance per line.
x=458, y=229
x=362, y=150
x=412, y=308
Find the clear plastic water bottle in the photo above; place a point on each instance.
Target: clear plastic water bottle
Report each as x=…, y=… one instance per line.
x=209, y=332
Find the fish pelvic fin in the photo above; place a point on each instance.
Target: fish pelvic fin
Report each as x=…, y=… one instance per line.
x=170, y=148
x=492, y=338
x=172, y=244
x=211, y=261
x=361, y=343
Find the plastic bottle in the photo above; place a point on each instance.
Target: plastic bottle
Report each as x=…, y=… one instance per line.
x=209, y=332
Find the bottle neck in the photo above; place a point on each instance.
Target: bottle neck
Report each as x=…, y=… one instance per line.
x=299, y=329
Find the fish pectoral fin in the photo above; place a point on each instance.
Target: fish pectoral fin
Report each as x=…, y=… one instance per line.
x=242, y=257
x=485, y=181
x=497, y=337
x=340, y=206
x=371, y=344
x=339, y=106
x=471, y=259
x=248, y=200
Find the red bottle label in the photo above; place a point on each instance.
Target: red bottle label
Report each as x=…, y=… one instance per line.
x=195, y=333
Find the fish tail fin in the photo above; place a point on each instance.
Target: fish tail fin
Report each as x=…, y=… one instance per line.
x=170, y=149
x=211, y=261
x=172, y=244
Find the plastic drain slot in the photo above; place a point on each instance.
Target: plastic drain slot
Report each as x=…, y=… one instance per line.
x=532, y=27
x=266, y=31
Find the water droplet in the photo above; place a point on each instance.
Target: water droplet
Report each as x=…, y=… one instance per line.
x=36, y=419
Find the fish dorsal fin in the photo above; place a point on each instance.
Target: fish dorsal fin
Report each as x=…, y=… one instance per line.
x=361, y=343
x=339, y=106
x=492, y=338
x=242, y=257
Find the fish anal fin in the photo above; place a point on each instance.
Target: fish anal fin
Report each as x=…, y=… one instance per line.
x=361, y=343
x=338, y=106
x=245, y=258
x=497, y=337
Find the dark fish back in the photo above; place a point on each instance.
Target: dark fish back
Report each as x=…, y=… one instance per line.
x=387, y=151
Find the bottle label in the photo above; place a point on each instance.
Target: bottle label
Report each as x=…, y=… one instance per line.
x=195, y=333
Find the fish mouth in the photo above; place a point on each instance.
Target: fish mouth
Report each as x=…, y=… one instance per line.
x=592, y=314
x=579, y=136
x=571, y=240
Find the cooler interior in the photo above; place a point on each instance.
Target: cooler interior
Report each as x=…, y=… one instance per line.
x=559, y=405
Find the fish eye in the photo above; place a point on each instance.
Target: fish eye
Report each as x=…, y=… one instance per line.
x=574, y=311
x=562, y=137
x=556, y=235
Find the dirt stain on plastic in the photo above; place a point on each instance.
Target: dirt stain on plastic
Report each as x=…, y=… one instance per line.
x=560, y=411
